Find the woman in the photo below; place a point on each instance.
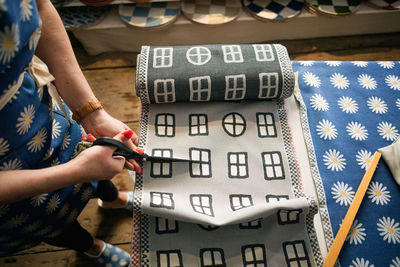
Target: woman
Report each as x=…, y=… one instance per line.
x=42, y=187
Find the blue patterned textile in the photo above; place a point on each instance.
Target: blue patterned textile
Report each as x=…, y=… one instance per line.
x=349, y=110
x=34, y=134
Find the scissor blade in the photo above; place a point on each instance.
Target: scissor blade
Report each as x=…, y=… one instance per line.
x=164, y=159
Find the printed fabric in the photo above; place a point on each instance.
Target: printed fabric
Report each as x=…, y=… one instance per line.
x=34, y=134
x=238, y=201
x=349, y=111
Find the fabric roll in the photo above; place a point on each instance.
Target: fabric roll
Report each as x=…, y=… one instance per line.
x=214, y=73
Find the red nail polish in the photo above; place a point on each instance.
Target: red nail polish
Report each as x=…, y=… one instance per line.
x=139, y=150
x=83, y=138
x=128, y=133
x=90, y=135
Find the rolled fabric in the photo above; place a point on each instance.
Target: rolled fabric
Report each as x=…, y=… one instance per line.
x=213, y=73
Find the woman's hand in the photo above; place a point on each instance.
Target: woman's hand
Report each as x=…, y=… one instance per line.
x=97, y=162
x=100, y=123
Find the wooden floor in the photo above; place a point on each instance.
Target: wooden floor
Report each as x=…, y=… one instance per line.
x=112, y=77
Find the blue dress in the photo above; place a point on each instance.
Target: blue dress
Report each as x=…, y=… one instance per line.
x=34, y=134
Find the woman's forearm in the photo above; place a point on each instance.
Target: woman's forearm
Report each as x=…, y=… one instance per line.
x=20, y=184
x=55, y=50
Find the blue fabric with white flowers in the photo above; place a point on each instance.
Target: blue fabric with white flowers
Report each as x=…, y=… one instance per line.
x=32, y=136
x=353, y=108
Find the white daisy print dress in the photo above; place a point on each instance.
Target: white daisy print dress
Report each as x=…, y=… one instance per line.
x=31, y=137
x=351, y=110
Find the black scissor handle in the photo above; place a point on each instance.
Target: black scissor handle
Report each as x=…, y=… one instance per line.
x=122, y=149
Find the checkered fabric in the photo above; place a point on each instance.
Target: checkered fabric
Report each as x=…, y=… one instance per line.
x=335, y=7
x=81, y=16
x=273, y=9
x=147, y=15
x=386, y=4
x=211, y=11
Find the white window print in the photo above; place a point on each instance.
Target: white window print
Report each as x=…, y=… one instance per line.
x=198, y=55
x=202, y=204
x=254, y=255
x=162, y=200
x=162, y=57
x=198, y=124
x=276, y=198
x=255, y=224
x=296, y=253
x=200, y=88
x=269, y=85
x=273, y=166
x=266, y=125
x=263, y=52
x=234, y=124
x=161, y=169
x=235, y=87
x=164, y=90
x=200, y=165
x=232, y=53
x=166, y=226
x=169, y=258
x=212, y=257
x=240, y=201
x=289, y=216
x=237, y=165
x=165, y=125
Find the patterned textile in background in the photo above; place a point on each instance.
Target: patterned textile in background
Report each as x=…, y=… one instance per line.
x=239, y=202
x=149, y=15
x=349, y=110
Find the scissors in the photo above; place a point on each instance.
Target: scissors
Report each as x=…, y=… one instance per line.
x=126, y=152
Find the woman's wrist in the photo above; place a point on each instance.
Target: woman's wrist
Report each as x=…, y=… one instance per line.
x=87, y=109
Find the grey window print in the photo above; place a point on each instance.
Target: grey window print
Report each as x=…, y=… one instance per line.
x=286, y=216
x=202, y=203
x=162, y=200
x=276, y=198
x=198, y=55
x=200, y=165
x=166, y=226
x=255, y=224
x=162, y=57
x=165, y=125
x=254, y=255
x=269, y=85
x=200, y=88
x=208, y=227
x=169, y=258
x=161, y=169
x=237, y=165
x=273, y=165
x=296, y=253
x=235, y=87
x=232, y=53
x=263, y=52
x=234, y=124
x=240, y=201
x=198, y=124
x=164, y=90
x=266, y=125
x=212, y=257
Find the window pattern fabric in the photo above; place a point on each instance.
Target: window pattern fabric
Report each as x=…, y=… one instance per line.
x=349, y=110
x=242, y=174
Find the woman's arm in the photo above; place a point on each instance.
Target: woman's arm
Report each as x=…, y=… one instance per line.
x=55, y=50
x=94, y=164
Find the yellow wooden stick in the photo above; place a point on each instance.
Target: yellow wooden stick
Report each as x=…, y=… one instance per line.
x=351, y=213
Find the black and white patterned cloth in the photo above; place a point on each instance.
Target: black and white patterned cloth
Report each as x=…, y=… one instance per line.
x=239, y=199
x=279, y=10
